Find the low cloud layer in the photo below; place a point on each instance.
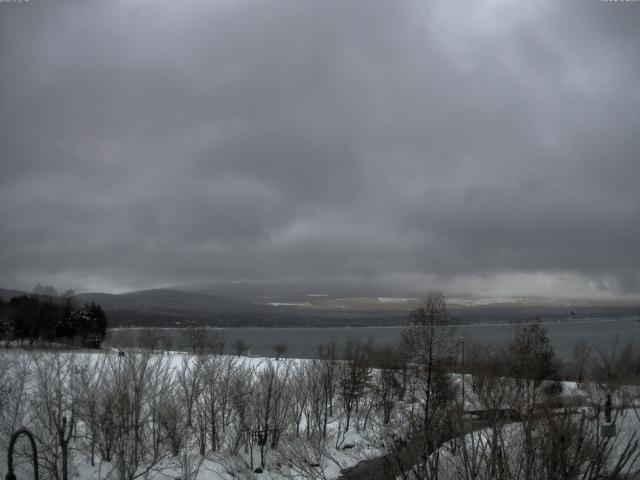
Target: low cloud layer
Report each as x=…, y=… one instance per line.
x=488, y=148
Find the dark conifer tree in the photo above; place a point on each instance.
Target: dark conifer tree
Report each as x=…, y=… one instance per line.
x=66, y=327
x=46, y=318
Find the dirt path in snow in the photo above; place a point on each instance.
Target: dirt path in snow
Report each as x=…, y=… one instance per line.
x=388, y=466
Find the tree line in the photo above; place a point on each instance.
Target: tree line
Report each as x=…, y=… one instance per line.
x=48, y=318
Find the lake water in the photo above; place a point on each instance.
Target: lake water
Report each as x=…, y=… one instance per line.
x=303, y=342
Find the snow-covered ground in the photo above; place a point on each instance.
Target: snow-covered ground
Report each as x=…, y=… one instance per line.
x=28, y=389
x=340, y=449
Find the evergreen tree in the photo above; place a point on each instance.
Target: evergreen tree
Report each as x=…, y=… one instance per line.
x=97, y=323
x=3, y=319
x=47, y=318
x=23, y=316
x=66, y=324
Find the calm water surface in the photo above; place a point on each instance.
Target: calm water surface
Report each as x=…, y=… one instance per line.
x=303, y=342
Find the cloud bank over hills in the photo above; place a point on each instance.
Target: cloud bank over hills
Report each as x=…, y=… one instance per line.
x=386, y=148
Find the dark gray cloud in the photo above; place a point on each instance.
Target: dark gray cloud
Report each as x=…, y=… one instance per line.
x=488, y=149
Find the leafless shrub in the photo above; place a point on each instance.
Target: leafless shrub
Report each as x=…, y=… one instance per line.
x=55, y=400
x=305, y=458
x=354, y=377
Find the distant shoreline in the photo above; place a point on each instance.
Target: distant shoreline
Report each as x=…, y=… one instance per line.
x=564, y=321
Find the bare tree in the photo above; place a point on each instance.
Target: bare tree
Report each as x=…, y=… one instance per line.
x=531, y=360
x=328, y=357
x=354, y=378
x=171, y=420
x=218, y=376
x=161, y=385
x=189, y=383
x=493, y=395
x=384, y=391
x=279, y=349
x=129, y=391
x=430, y=345
x=150, y=338
x=305, y=458
x=197, y=338
x=300, y=387
x=56, y=398
x=316, y=408
x=240, y=347
x=217, y=341
x=190, y=464
x=241, y=400
x=580, y=361
x=270, y=405
x=16, y=376
x=90, y=377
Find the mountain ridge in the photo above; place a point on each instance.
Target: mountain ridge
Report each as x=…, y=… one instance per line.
x=177, y=307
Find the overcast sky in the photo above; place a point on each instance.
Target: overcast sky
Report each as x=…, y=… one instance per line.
x=486, y=148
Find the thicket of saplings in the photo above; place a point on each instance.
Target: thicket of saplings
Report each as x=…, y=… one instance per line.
x=143, y=412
